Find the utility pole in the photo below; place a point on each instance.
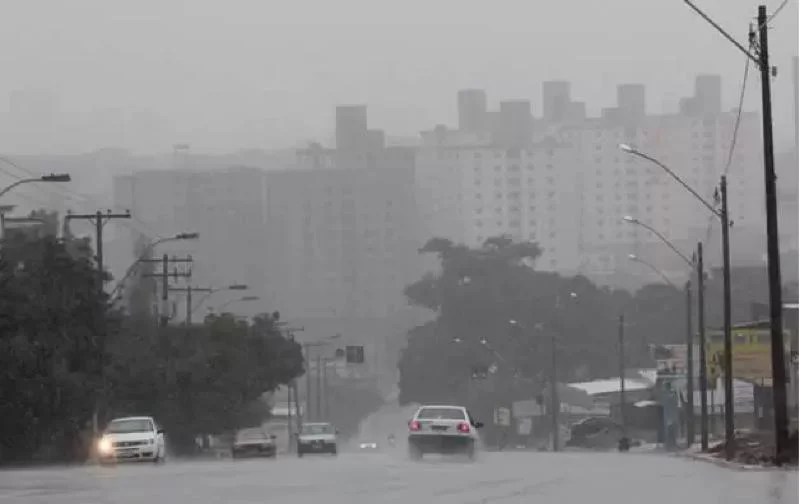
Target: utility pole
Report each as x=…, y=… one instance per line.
x=99, y=219
x=761, y=59
x=623, y=443
x=164, y=275
x=319, y=389
x=293, y=394
x=779, y=396
x=555, y=402
x=689, y=367
x=726, y=281
x=289, y=416
x=307, y=351
x=189, y=290
x=327, y=402
x=701, y=328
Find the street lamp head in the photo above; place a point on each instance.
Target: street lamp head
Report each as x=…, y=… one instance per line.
x=456, y=340
x=629, y=218
x=484, y=341
x=56, y=177
x=237, y=287
x=633, y=257
x=513, y=322
x=187, y=236
x=626, y=148
x=573, y=295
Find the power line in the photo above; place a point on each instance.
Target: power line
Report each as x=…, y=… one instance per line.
x=732, y=147
x=777, y=11
x=84, y=198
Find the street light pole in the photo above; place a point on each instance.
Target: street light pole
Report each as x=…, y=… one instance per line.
x=722, y=214
x=761, y=59
x=623, y=443
x=701, y=328
x=726, y=300
x=689, y=368
x=555, y=401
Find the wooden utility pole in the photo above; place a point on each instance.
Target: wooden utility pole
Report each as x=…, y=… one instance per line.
x=165, y=275
x=189, y=290
x=99, y=219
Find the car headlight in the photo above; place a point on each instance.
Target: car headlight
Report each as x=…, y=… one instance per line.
x=105, y=445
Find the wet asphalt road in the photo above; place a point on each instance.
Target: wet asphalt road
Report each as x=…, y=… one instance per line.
x=378, y=478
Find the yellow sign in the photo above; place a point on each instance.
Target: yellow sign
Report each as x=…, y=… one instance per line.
x=752, y=359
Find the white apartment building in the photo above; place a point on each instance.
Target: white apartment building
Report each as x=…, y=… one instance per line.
x=570, y=186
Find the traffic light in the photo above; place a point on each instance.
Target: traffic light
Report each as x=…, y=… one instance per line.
x=354, y=354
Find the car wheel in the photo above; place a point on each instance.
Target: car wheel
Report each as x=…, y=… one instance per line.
x=299, y=454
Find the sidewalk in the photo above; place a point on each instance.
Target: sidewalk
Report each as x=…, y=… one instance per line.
x=745, y=460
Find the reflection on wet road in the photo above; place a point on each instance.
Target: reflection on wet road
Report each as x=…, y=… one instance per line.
x=377, y=478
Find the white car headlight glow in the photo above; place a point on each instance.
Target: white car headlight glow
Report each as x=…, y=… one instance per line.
x=105, y=445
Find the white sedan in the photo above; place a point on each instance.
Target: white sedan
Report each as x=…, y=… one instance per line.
x=132, y=439
x=443, y=430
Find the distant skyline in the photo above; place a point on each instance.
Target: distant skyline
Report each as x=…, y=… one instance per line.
x=249, y=74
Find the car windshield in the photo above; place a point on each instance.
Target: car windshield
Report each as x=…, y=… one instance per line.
x=441, y=414
x=131, y=425
x=250, y=435
x=317, y=429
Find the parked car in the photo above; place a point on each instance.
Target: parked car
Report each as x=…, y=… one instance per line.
x=253, y=443
x=319, y=437
x=132, y=439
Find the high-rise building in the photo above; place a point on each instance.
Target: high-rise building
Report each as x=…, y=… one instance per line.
x=226, y=207
x=631, y=103
x=351, y=128
x=708, y=94
x=570, y=187
x=342, y=241
x=555, y=100
x=514, y=126
x=472, y=110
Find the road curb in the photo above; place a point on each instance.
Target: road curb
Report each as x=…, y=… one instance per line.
x=726, y=464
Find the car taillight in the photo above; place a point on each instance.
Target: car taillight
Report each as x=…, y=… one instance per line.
x=463, y=427
x=414, y=425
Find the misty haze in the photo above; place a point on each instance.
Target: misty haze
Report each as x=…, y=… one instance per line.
x=375, y=252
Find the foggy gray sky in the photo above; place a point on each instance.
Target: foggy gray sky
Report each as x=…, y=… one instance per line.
x=223, y=75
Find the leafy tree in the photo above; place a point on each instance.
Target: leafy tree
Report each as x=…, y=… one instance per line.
x=494, y=310
x=52, y=321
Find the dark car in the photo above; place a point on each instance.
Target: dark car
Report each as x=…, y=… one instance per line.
x=595, y=433
x=253, y=443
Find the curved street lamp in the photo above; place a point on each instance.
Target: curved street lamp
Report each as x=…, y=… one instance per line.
x=53, y=177
x=722, y=214
x=144, y=255
x=689, y=333
x=634, y=220
x=232, y=287
x=635, y=258
x=243, y=299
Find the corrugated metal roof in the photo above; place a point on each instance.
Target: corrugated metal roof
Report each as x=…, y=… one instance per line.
x=611, y=385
